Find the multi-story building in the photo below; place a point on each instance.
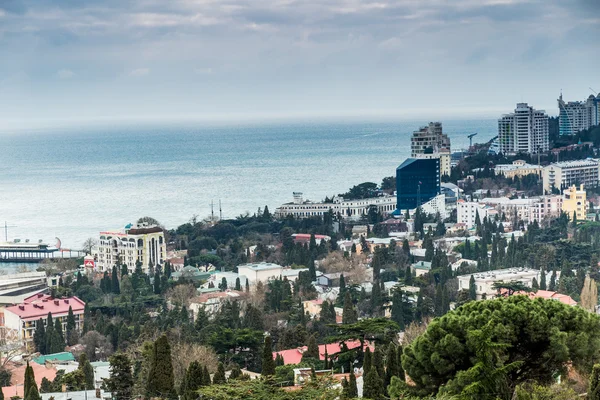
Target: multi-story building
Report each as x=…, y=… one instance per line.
x=510, y=207
x=563, y=174
x=350, y=209
x=524, y=131
x=417, y=182
x=575, y=202
x=444, y=157
x=517, y=168
x=20, y=320
x=430, y=139
x=484, y=281
x=467, y=211
x=575, y=116
x=546, y=207
x=140, y=243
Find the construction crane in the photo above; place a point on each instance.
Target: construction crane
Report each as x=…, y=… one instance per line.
x=593, y=91
x=471, y=139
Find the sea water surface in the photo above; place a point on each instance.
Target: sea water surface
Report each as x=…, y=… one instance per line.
x=73, y=182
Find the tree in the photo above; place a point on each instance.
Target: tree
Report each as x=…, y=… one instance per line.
x=351, y=390
x=88, y=245
x=58, y=339
x=312, y=350
x=546, y=342
x=219, y=377
x=157, y=286
x=543, y=280
x=268, y=364
x=120, y=383
x=378, y=362
x=30, y=389
x=311, y=268
x=114, y=278
x=238, y=286
x=373, y=385
x=589, y=294
x=534, y=285
x=594, y=386
x=39, y=337
x=510, y=288
x=161, y=382
x=223, y=284
x=349, y=315
x=72, y=336
x=367, y=361
x=472, y=288
x=88, y=371
x=391, y=364
x=398, y=309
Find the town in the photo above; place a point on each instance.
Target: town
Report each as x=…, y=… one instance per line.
x=483, y=258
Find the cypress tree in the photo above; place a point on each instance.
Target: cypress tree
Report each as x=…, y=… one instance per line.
x=398, y=309
x=58, y=341
x=543, y=279
x=236, y=372
x=205, y=377
x=39, y=337
x=326, y=360
x=157, y=283
x=349, y=315
x=71, y=331
x=472, y=289
x=342, y=294
x=160, y=380
x=247, y=286
x=312, y=270
x=408, y=278
x=351, y=388
x=312, y=350
x=399, y=352
x=391, y=364
x=373, y=385
x=367, y=361
x=594, y=387
x=534, y=285
x=238, y=286
x=114, y=277
x=378, y=362
x=88, y=371
x=268, y=364
x=219, y=377
x=552, y=286
x=30, y=388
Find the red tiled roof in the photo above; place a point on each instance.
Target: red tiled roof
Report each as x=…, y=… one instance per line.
x=294, y=356
x=18, y=378
x=546, y=294
x=39, y=307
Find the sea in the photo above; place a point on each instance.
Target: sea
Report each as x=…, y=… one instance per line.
x=73, y=182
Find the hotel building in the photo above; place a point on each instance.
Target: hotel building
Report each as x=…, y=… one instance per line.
x=567, y=173
x=524, y=131
x=575, y=116
x=429, y=138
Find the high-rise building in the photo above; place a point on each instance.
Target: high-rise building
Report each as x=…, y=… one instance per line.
x=444, y=157
x=524, y=131
x=429, y=139
x=417, y=182
x=575, y=116
x=563, y=174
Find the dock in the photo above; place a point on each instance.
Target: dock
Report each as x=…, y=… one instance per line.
x=35, y=252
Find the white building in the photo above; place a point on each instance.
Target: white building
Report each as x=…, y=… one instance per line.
x=484, y=281
x=567, y=173
x=143, y=243
x=263, y=271
x=511, y=206
x=434, y=206
x=467, y=211
x=351, y=209
x=517, y=168
x=575, y=116
x=524, y=131
x=546, y=207
x=443, y=155
x=429, y=137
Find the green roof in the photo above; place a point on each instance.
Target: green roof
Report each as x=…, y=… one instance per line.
x=64, y=356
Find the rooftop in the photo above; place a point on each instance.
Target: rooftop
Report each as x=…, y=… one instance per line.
x=422, y=265
x=294, y=356
x=40, y=305
x=260, y=266
x=64, y=356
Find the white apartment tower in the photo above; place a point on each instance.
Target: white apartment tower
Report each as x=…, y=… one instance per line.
x=524, y=131
x=575, y=116
x=430, y=136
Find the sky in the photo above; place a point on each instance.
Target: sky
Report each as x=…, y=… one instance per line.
x=73, y=60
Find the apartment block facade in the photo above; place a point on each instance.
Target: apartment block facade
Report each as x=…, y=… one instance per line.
x=524, y=131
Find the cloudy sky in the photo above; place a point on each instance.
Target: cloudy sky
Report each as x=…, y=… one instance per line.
x=73, y=59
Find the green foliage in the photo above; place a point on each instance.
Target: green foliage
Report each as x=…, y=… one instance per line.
x=373, y=385
x=120, y=382
x=268, y=363
x=539, y=336
x=88, y=371
x=219, y=377
x=259, y=389
x=160, y=379
x=532, y=391
x=594, y=386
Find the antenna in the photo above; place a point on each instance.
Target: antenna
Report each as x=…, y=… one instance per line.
x=212, y=211
x=6, y=226
x=593, y=91
x=220, y=211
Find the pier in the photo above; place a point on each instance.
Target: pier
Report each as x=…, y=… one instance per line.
x=31, y=253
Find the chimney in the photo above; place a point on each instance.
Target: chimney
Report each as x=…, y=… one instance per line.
x=56, y=302
x=63, y=388
x=66, y=301
x=22, y=307
x=97, y=393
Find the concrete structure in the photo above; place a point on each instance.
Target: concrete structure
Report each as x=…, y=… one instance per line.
x=211, y=303
x=429, y=138
x=349, y=209
x=420, y=268
x=575, y=202
x=511, y=206
x=255, y=272
x=546, y=207
x=417, y=182
x=564, y=174
x=518, y=168
x=15, y=288
x=444, y=157
x=140, y=243
x=20, y=320
x=96, y=394
x=575, y=116
x=467, y=211
x=485, y=280
x=524, y=131
x=434, y=206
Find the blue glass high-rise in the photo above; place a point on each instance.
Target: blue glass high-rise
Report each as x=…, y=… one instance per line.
x=417, y=182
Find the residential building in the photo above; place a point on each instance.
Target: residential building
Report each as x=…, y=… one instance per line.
x=467, y=211
x=212, y=302
x=420, y=268
x=135, y=243
x=304, y=238
x=575, y=116
x=518, y=168
x=15, y=288
x=349, y=209
x=510, y=207
x=263, y=271
x=20, y=320
x=444, y=157
x=484, y=281
x=524, y=131
x=417, y=182
x=429, y=138
x=294, y=356
x=546, y=207
x=561, y=175
x=575, y=202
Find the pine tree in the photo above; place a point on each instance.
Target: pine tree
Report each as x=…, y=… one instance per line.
x=71, y=329
x=219, y=377
x=391, y=364
x=349, y=315
x=367, y=361
x=88, y=371
x=593, y=392
x=160, y=379
x=373, y=385
x=120, y=383
x=39, y=337
x=114, y=286
x=268, y=364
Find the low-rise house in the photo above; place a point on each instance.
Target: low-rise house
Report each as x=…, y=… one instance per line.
x=190, y=273
x=420, y=268
x=17, y=378
x=329, y=280
x=212, y=302
x=304, y=238
x=484, y=281
x=455, y=265
x=263, y=271
x=294, y=356
x=312, y=307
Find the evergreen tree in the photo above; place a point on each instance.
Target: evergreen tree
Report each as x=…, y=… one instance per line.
x=373, y=385
x=342, y=293
x=219, y=377
x=543, y=279
x=72, y=338
x=349, y=315
x=223, y=284
x=534, y=285
x=408, y=278
x=120, y=383
x=30, y=389
x=58, y=341
x=268, y=364
x=391, y=364
x=312, y=350
x=157, y=286
x=312, y=270
x=399, y=352
x=398, y=309
x=552, y=286
x=161, y=382
x=39, y=337
x=115, y=288
x=87, y=370
x=472, y=288
x=367, y=361
x=238, y=286
x=378, y=362
x=593, y=392
x=350, y=391
x=247, y=286
x=236, y=372
x=206, y=377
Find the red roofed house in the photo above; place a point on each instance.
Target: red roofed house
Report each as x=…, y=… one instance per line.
x=18, y=378
x=304, y=238
x=294, y=356
x=20, y=320
x=545, y=294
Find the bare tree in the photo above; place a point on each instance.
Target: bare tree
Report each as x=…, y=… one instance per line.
x=97, y=346
x=184, y=353
x=414, y=330
x=181, y=294
x=89, y=244
x=589, y=294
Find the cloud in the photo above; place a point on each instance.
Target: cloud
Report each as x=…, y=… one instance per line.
x=65, y=74
x=203, y=71
x=139, y=72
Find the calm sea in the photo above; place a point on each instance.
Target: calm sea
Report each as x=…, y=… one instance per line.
x=72, y=183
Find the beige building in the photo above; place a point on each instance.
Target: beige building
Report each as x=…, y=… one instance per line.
x=574, y=201
x=561, y=175
x=144, y=243
x=443, y=155
x=546, y=207
x=518, y=168
x=484, y=281
x=429, y=137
